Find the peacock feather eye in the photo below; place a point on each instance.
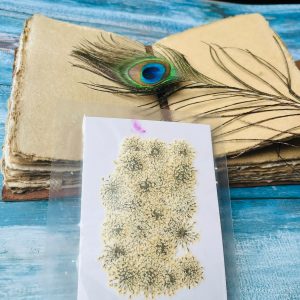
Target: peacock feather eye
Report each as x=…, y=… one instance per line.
x=152, y=73
x=134, y=68
x=149, y=72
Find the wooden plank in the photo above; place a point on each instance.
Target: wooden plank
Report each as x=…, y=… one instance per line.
x=267, y=248
x=266, y=192
x=39, y=244
x=7, y=195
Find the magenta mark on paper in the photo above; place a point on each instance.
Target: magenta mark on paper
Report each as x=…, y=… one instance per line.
x=137, y=126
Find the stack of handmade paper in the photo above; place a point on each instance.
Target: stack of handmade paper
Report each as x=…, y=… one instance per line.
x=253, y=103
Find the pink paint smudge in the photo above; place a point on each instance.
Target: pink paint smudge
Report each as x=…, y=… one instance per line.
x=136, y=125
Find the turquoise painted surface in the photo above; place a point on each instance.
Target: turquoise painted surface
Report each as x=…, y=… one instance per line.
x=39, y=244
x=39, y=240
x=148, y=22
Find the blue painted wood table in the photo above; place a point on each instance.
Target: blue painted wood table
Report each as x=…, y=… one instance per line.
x=39, y=240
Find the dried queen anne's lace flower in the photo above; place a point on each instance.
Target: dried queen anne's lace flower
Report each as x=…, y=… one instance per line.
x=149, y=203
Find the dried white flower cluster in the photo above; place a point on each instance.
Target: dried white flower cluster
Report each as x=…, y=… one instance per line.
x=149, y=205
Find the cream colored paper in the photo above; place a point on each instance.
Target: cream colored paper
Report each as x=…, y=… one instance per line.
x=46, y=84
x=48, y=101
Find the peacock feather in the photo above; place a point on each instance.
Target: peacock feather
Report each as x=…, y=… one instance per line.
x=136, y=69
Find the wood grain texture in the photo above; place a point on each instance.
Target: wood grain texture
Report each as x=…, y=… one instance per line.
x=39, y=240
x=39, y=246
x=7, y=195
